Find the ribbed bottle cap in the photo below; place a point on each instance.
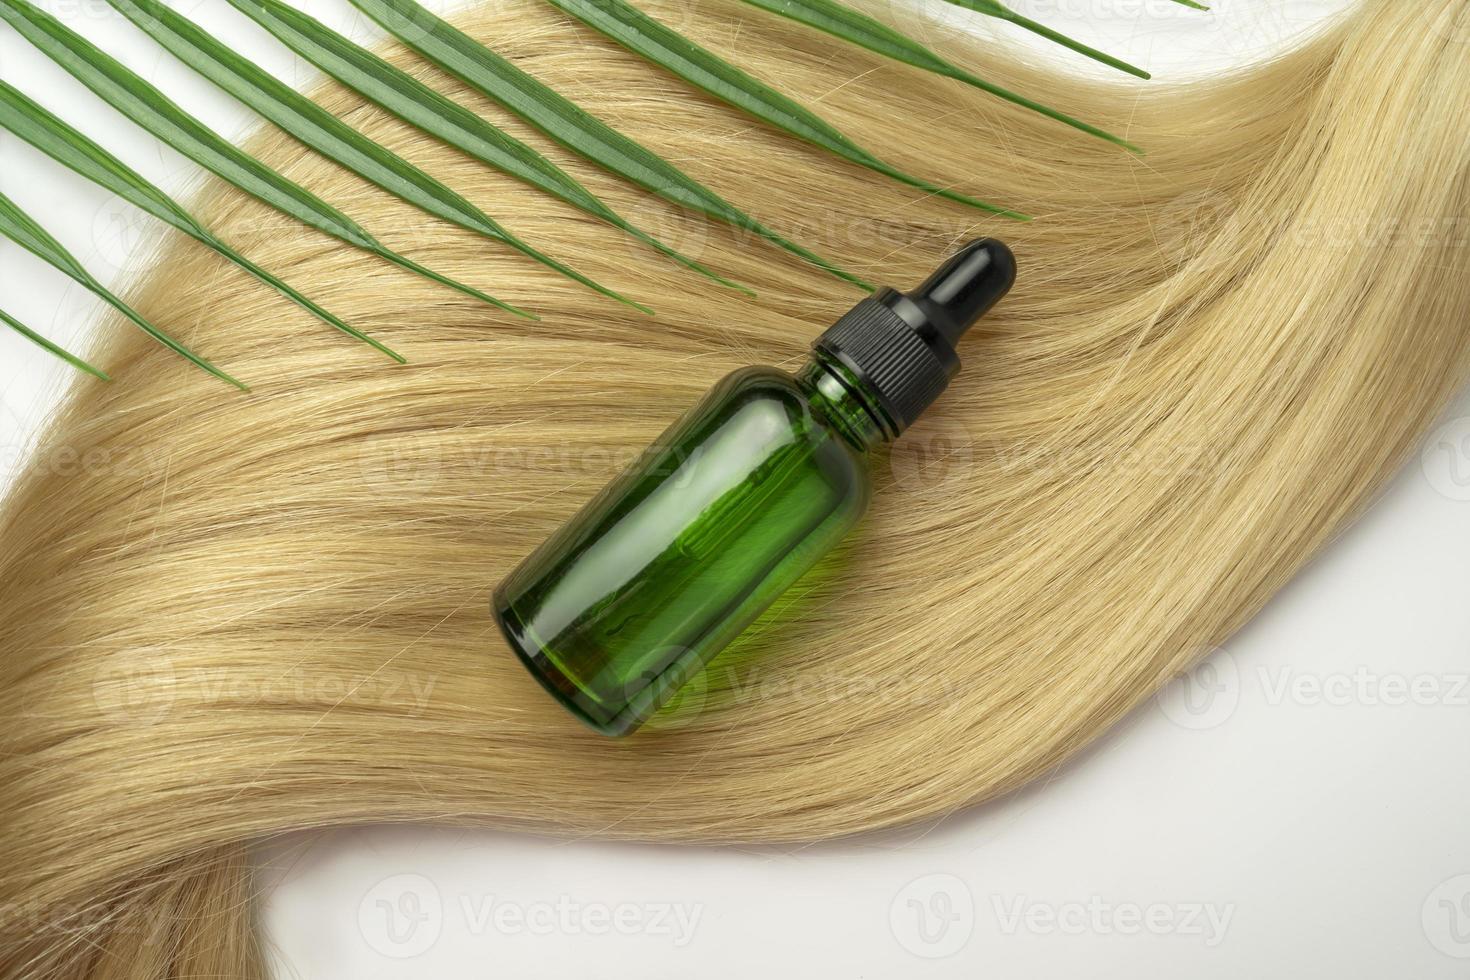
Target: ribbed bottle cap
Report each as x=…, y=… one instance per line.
x=902, y=345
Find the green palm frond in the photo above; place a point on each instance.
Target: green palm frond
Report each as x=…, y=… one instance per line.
x=325, y=133
x=412, y=100
x=49, y=134
x=48, y=346
x=22, y=229
x=400, y=93
x=149, y=108
x=563, y=120
x=860, y=29
x=663, y=46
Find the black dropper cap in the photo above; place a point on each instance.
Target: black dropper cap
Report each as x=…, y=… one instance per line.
x=901, y=346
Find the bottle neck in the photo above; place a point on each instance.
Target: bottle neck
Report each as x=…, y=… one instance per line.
x=845, y=402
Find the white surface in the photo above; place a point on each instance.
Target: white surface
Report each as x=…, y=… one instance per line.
x=1297, y=807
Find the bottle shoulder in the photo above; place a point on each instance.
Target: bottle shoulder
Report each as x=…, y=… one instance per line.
x=771, y=408
x=759, y=379
x=762, y=389
x=769, y=389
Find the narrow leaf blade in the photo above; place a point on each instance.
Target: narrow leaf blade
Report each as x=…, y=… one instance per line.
x=324, y=132
x=47, y=345
x=21, y=228
x=857, y=28
x=289, y=292
x=71, y=148
x=413, y=101
x=993, y=8
x=563, y=120
x=154, y=112
x=641, y=34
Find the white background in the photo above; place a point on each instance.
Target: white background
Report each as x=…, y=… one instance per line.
x=1296, y=807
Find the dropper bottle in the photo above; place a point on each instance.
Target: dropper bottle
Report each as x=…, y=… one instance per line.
x=736, y=501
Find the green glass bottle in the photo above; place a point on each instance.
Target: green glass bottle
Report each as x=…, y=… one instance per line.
x=735, y=502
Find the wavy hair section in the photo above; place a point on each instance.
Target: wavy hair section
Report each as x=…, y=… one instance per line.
x=230, y=616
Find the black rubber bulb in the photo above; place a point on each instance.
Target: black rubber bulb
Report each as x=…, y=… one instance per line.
x=964, y=289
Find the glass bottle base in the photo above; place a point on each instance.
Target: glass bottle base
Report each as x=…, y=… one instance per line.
x=555, y=681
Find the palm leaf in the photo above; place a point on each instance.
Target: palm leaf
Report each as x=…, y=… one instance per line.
x=858, y=28
x=47, y=345
x=325, y=133
x=149, y=108
x=993, y=8
x=67, y=146
x=412, y=100
x=563, y=120
x=21, y=228
x=647, y=37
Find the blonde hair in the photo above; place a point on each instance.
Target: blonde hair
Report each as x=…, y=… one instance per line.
x=229, y=616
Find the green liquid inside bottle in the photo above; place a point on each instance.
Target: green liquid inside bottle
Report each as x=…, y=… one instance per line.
x=734, y=503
